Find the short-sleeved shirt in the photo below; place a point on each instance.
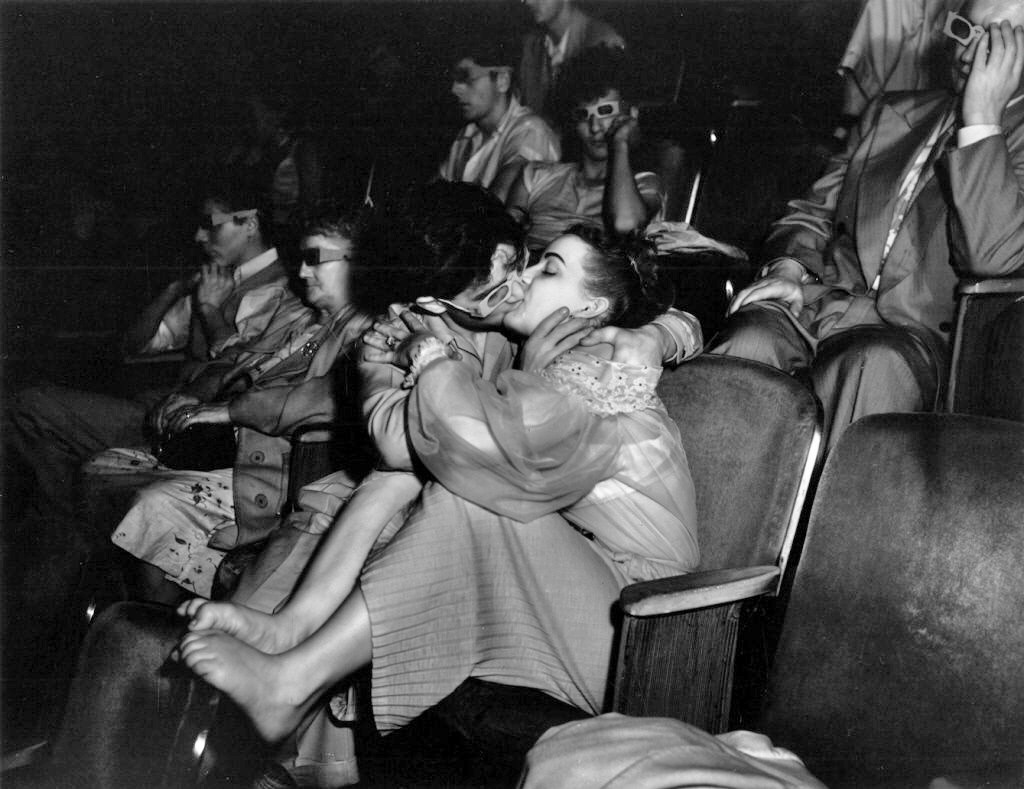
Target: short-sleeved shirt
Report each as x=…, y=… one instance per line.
x=476, y=158
x=559, y=196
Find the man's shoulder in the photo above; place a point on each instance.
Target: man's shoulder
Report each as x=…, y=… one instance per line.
x=538, y=175
x=526, y=127
x=270, y=277
x=896, y=112
x=524, y=118
x=905, y=102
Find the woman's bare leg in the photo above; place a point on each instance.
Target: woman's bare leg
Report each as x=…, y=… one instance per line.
x=276, y=691
x=331, y=576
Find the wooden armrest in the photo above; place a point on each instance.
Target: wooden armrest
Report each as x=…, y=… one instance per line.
x=313, y=433
x=697, y=590
x=981, y=287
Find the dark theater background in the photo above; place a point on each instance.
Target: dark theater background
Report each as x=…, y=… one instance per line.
x=111, y=111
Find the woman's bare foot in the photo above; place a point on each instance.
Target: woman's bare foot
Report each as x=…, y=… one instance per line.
x=271, y=695
x=266, y=632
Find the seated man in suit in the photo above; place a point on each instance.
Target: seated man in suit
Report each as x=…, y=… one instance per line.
x=500, y=135
x=860, y=275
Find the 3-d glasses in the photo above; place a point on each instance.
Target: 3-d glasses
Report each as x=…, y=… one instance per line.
x=961, y=29
x=314, y=256
x=498, y=295
x=600, y=110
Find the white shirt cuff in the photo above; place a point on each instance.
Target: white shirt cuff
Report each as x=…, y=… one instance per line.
x=968, y=135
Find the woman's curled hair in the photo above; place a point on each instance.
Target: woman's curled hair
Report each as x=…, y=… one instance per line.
x=624, y=270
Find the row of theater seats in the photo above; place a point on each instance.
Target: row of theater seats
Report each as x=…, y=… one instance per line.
x=889, y=582
x=880, y=590
x=898, y=652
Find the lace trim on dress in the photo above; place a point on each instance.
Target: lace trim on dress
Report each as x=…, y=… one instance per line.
x=605, y=387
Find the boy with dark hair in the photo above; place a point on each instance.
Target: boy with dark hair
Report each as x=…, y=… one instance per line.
x=601, y=188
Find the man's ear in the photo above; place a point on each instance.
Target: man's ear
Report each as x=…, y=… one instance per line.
x=252, y=225
x=504, y=80
x=504, y=255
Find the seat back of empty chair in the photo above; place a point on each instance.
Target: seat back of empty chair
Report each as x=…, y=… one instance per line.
x=900, y=655
x=988, y=349
x=752, y=436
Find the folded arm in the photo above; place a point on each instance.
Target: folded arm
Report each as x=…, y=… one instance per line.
x=518, y=447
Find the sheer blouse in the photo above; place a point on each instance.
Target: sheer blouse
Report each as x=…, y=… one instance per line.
x=588, y=438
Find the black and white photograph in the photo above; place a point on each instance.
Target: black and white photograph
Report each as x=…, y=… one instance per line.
x=527, y=394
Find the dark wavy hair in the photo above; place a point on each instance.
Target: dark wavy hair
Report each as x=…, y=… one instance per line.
x=624, y=270
x=368, y=286
x=491, y=51
x=333, y=218
x=589, y=76
x=441, y=239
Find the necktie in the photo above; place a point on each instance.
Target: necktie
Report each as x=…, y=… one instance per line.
x=931, y=148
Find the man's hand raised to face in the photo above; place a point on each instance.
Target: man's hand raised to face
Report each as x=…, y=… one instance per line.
x=995, y=74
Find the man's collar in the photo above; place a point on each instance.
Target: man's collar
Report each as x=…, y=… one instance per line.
x=511, y=111
x=254, y=265
x=514, y=107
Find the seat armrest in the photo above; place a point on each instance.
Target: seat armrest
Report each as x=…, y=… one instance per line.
x=315, y=432
x=697, y=590
x=983, y=287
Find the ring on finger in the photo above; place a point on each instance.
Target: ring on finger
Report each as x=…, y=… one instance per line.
x=390, y=342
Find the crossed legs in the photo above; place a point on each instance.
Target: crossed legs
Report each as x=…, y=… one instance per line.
x=865, y=370
x=276, y=690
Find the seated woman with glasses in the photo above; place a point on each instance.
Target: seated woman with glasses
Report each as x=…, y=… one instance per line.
x=181, y=524
x=551, y=492
x=601, y=188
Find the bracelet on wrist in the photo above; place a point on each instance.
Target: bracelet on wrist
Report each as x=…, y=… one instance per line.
x=427, y=351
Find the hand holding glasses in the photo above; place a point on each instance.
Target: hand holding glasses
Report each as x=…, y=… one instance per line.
x=996, y=65
x=961, y=29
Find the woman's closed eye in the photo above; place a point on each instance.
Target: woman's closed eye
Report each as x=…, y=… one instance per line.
x=552, y=264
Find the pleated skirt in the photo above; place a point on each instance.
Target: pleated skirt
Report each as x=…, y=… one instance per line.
x=461, y=592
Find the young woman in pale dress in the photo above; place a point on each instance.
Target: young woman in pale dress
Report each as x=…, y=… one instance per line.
x=552, y=492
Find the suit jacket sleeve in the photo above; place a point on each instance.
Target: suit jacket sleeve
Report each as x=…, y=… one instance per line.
x=384, y=410
x=277, y=410
x=684, y=329
x=985, y=182
x=806, y=231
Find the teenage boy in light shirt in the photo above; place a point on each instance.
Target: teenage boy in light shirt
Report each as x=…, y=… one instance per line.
x=500, y=135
